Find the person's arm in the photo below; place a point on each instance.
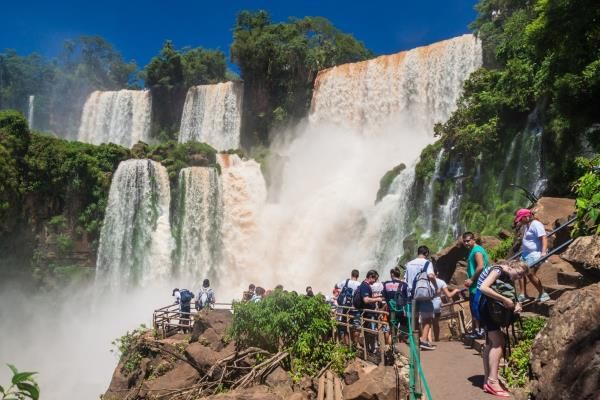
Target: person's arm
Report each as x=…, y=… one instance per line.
x=433, y=281
x=489, y=292
x=544, y=245
x=368, y=300
x=450, y=293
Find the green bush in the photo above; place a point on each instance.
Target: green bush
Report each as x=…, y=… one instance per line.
x=501, y=250
x=132, y=349
x=587, y=190
x=22, y=386
x=300, y=325
x=516, y=371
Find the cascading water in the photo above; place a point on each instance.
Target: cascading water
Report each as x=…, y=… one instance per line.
x=244, y=195
x=212, y=114
x=122, y=117
x=135, y=241
x=366, y=117
x=449, y=223
x=199, y=217
x=30, y=111
x=429, y=196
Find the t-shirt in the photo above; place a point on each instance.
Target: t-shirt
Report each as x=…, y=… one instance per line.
x=486, y=272
x=351, y=284
x=391, y=287
x=532, y=238
x=472, y=266
x=440, y=285
x=412, y=270
x=365, y=291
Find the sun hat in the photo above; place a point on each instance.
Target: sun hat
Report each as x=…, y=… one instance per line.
x=522, y=213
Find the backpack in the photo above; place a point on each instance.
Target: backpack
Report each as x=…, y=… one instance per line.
x=357, y=301
x=399, y=298
x=205, y=298
x=185, y=297
x=345, y=298
x=499, y=314
x=421, y=288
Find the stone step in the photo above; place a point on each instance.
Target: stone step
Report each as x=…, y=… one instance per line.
x=536, y=307
x=573, y=279
x=555, y=291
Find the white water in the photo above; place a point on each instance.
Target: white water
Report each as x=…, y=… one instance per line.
x=199, y=222
x=135, y=241
x=30, y=111
x=366, y=118
x=429, y=196
x=449, y=222
x=122, y=117
x=212, y=114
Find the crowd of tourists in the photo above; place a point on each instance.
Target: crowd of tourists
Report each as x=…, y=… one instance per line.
x=185, y=297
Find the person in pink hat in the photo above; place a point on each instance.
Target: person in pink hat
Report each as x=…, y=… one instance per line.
x=534, y=246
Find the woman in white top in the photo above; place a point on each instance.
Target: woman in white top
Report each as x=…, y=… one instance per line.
x=437, y=306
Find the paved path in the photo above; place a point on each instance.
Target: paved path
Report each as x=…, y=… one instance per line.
x=454, y=372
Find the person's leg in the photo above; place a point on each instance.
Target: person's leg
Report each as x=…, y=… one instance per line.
x=495, y=354
x=536, y=281
x=486, y=359
x=436, y=328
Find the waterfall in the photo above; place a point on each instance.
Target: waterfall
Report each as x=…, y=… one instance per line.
x=244, y=195
x=122, y=117
x=135, y=241
x=212, y=114
x=449, y=217
x=419, y=87
x=30, y=111
x=429, y=196
x=198, y=224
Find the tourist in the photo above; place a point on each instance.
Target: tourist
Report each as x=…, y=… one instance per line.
x=345, y=292
x=206, y=296
x=478, y=260
x=534, y=246
x=419, y=269
x=364, y=300
x=395, y=293
x=279, y=287
x=494, y=337
x=309, y=292
x=442, y=287
x=259, y=294
x=183, y=297
x=248, y=294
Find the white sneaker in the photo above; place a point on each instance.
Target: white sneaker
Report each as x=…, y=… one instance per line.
x=543, y=297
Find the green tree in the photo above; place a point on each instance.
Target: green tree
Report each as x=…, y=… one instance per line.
x=166, y=69
x=22, y=386
x=279, y=63
x=201, y=66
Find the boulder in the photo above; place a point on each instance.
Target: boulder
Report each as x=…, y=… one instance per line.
x=259, y=392
x=565, y=357
x=445, y=260
x=203, y=356
x=279, y=378
x=180, y=377
x=549, y=209
x=584, y=252
x=379, y=384
x=218, y=320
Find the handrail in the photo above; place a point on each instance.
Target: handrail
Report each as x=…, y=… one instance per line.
x=561, y=227
x=552, y=252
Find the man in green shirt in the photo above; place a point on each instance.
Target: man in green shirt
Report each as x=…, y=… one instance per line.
x=478, y=260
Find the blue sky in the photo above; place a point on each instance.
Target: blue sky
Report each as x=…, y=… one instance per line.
x=138, y=28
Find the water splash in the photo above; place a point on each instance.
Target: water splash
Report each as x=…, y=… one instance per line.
x=212, y=114
x=30, y=111
x=122, y=117
x=198, y=224
x=135, y=241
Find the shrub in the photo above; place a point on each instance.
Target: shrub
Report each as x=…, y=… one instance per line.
x=516, y=371
x=300, y=325
x=587, y=190
x=22, y=386
x=131, y=348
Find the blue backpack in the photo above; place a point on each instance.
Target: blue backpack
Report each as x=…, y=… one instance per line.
x=186, y=297
x=345, y=296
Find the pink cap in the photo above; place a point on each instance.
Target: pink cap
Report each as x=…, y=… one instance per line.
x=522, y=213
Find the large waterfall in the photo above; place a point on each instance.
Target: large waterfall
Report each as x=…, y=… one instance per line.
x=30, y=111
x=212, y=114
x=199, y=216
x=135, y=241
x=122, y=117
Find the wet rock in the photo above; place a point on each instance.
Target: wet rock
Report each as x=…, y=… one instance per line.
x=584, y=252
x=198, y=160
x=565, y=356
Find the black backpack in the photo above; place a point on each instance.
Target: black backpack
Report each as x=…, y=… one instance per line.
x=345, y=298
x=499, y=314
x=357, y=301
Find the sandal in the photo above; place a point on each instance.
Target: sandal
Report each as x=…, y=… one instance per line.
x=499, y=393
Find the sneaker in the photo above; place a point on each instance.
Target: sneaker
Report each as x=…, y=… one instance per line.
x=426, y=345
x=543, y=297
x=521, y=298
x=471, y=335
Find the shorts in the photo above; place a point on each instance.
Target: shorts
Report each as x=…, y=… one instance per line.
x=425, y=309
x=437, y=305
x=356, y=318
x=472, y=304
x=486, y=321
x=532, y=258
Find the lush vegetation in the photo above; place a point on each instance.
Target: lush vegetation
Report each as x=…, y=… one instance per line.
x=516, y=372
x=300, y=325
x=131, y=349
x=22, y=386
x=587, y=190
x=279, y=63
x=386, y=181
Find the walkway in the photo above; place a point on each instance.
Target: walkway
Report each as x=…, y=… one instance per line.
x=453, y=372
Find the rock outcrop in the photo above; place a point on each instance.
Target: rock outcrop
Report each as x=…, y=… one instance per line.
x=584, y=252
x=566, y=353
x=550, y=209
x=377, y=384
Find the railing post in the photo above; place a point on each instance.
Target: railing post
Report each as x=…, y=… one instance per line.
x=416, y=340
